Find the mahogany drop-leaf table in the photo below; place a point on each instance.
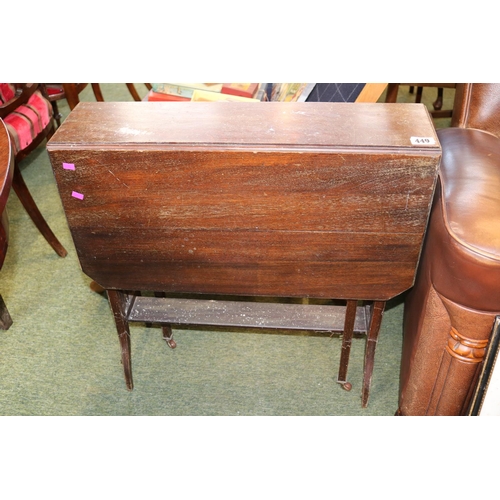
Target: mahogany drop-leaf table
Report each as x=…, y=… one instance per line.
x=297, y=200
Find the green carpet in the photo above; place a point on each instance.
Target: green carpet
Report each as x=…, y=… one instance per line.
x=61, y=356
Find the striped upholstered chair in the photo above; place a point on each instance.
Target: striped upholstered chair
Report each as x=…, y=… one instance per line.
x=28, y=117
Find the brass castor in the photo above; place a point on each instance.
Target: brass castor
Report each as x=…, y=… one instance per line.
x=168, y=336
x=171, y=343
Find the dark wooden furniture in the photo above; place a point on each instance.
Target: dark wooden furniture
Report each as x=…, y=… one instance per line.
x=6, y=172
x=71, y=92
x=437, y=112
x=24, y=92
x=317, y=200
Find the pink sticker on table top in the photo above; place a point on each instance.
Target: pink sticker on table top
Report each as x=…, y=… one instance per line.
x=69, y=166
x=77, y=195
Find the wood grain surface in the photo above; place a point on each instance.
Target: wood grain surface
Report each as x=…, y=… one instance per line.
x=280, y=199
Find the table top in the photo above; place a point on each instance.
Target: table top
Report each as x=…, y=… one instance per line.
x=296, y=125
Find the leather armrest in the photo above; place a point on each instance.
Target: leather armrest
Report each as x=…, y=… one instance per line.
x=468, y=242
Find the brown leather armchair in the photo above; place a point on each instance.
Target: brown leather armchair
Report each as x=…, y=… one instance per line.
x=450, y=311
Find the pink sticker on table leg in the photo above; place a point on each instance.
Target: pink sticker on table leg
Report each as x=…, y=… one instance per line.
x=69, y=166
x=77, y=195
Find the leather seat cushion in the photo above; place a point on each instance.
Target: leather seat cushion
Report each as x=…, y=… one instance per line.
x=470, y=183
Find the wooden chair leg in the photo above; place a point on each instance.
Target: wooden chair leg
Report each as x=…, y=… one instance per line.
x=119, y=304
x=30, y=206
x=56, y=113
x=133, y=92
x=371, y=344
x=97, y=92
x=438, y=103
x=418, y=95
x=71, y=94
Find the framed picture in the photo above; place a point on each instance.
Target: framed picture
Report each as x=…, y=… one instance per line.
x=486, y=399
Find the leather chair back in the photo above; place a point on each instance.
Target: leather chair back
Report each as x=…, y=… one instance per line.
x=477, y=105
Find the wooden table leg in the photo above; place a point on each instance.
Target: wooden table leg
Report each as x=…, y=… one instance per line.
x=371, y=344
x=120, y=303
x=166, y=330
x=95, y=287
x=168, y=336
x=350, y=316
x=5, y=319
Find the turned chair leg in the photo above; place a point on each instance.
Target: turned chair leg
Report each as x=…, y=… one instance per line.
x=30, y=206
x=56, y=113
x=438, y=103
